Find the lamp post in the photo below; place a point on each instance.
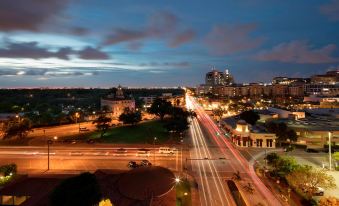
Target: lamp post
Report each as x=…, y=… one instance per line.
x=329, y=150
x=49, y=142
x=154, y=150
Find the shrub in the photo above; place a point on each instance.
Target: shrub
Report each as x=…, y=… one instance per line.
x=8, y=169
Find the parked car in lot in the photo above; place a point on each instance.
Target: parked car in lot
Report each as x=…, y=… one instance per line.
x=143, y=152
x=316, y=191
x=83, y=129
x=132, y=164
x=145, y=163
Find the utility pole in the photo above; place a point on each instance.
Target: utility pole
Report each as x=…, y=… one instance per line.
x=329, y=150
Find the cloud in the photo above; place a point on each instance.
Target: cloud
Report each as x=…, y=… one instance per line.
x=331, y=10
x=123, y=35
x=161, y=25
x=225, y=39
x=165, y=64
x=299, y=52
x=45, y=72
x=32, y=50
x=92, y=53
x=182, y=38
x=28, y=14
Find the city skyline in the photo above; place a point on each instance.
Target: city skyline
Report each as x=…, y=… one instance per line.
x=75, y=43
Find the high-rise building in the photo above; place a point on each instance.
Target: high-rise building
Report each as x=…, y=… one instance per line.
x=331, y=77
x=216, y=78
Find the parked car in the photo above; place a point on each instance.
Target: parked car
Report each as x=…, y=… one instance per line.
x=145, y=163
x=317, y=191
x=132, y=164
x=143, y=152
x=83, y=129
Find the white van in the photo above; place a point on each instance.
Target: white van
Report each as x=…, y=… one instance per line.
x=166, y=150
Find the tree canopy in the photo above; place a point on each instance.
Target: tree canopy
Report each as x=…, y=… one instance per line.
x=251, y=117
x=282, y=131
x=102, y=124
x=307, y=179
x=130, y=117
x=160, y=107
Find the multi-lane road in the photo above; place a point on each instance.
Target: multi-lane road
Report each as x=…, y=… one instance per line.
x=77, y=159
x=214, y=159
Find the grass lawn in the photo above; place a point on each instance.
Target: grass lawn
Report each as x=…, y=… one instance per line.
x=183, y=192
x=140, y=133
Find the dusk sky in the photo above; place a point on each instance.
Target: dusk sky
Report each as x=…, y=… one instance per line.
x=76, y=43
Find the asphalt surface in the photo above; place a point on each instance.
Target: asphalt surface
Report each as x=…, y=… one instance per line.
x=215, y=159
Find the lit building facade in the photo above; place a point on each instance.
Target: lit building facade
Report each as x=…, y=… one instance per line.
x=117, y=103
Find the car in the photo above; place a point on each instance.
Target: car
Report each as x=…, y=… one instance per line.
x=165, y=150
x=132, y=164
x=84, y=129
x=316, y=191
x=143, y=152
x=121, y=151
x=90, y=141
x=145, y=163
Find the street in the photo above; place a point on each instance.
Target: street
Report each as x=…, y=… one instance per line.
x=67, y=159
x=221, y=160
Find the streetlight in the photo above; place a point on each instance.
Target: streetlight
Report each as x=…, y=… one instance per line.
x=177, y=180
x=49, y=142
x=154, y=149
x=329, y=149
x=77, y=115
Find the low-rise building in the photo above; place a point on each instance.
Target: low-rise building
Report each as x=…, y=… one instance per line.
x=117, y=103
x=244, y=135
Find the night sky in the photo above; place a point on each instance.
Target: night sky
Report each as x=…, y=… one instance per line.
x=92, y=43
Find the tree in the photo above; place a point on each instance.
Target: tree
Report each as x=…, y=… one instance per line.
x=336, y=156
x=18, y=129
x=286, y=165
x=81, y=190
x=272, y=159
x=328, y=201
x=282, y=132
x=102, y=124
x=160, y=108
x=307, y=179
x=130, y=117
x=251, y=117
x=178, y=121
x=219, y=112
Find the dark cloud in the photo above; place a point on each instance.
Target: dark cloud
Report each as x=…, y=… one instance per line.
x=28, y=14
x=331, y=10
x=161, y=25
x=182, y=38
x=299, y=52
x=46, y=72
x=32, y=50
x=92, y=53
x=166, y=64
x=123, y=35
x=226, y=39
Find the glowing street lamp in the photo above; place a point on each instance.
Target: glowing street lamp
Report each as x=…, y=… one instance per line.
x=177, y=180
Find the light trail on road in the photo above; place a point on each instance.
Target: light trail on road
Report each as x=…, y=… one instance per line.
x=212, y=188
x=238, y=162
